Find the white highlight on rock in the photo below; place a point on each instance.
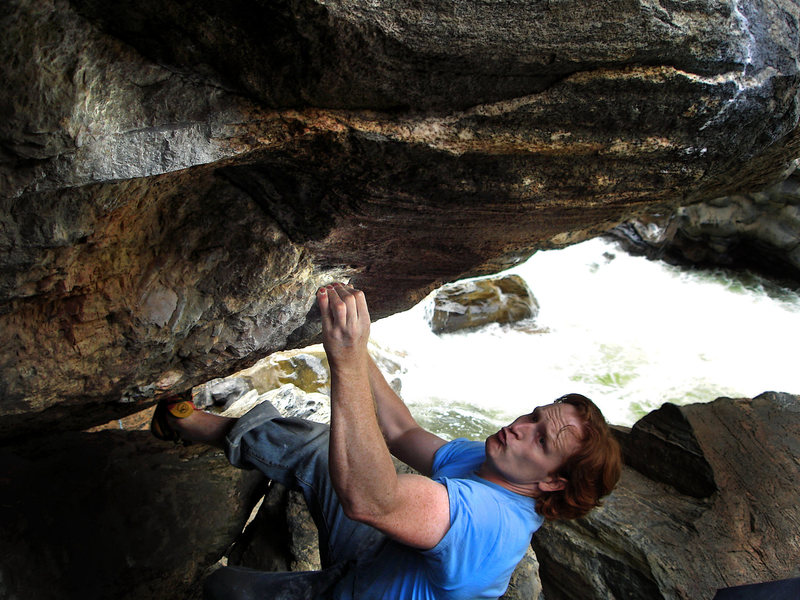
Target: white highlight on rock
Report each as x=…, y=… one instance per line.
x=741, y=80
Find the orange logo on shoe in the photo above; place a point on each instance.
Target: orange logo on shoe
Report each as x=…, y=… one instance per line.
x=181, y=410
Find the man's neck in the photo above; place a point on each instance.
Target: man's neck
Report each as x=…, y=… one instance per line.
x=487, y=473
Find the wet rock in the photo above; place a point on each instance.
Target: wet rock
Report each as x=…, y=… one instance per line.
x=758, y=231
x=652, y=541
x=478, y=302
x=116, y=514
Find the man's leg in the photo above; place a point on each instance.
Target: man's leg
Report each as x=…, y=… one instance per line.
x=239, y=583
x=293, y=452
x=203, y=427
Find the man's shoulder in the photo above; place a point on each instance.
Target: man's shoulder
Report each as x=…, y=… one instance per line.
x=460, y=452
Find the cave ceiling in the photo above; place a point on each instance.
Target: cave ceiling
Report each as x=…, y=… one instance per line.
x=177, y=178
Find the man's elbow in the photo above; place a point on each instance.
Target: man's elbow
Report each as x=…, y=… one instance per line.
x=365, y=510
x=355, y=512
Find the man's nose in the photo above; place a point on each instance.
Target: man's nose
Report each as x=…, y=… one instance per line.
x=521, y=429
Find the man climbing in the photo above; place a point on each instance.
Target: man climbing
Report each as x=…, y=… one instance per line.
x=456, y=530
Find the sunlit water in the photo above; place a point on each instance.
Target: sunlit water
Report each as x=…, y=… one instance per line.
x=629, y=333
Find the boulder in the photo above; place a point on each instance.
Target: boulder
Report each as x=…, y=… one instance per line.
x=478, y=302
x=306, y=369
x=662, y=446
x=758, y=231
x=289, y=400
x=281, y=536
x=116, y=514
x=177, y=178
x=652, y=539
x=220, y=392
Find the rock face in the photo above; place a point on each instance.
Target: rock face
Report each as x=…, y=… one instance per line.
x=662, y=446
x=653, y=539
x=176, y=178
x=759, y=231
x=478, y=302
x=116, y=514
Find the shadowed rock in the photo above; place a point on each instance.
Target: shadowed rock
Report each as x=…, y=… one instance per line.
x=662, y=446
x=116, y=514
x=758, y=231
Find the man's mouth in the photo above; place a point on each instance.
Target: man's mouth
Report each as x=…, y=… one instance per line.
x=501, y=436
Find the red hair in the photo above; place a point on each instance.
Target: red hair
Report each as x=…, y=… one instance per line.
x=590, y=473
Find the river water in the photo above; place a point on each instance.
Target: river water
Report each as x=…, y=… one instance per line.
x=628, y=332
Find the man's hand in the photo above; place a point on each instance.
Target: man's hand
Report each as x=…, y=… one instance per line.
x=345, y=325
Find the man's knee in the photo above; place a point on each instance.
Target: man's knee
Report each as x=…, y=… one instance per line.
x=223, y=584
x=240, y=583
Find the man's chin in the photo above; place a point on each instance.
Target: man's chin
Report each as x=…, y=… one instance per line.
x=493, y=441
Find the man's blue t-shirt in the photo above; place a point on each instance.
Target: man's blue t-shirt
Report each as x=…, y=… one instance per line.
x=490, y=531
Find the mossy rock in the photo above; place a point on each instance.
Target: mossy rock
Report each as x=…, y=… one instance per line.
x=478, y=302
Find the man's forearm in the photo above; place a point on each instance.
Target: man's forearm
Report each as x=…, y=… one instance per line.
x=394, y=417
x=412, y=509
x=361, y=468
x=404, y=437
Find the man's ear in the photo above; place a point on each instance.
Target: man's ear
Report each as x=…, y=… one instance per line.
x=553, y=484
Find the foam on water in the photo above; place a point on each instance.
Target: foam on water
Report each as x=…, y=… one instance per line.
x=627, y=332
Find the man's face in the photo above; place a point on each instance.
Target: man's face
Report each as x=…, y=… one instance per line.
x=528, y=453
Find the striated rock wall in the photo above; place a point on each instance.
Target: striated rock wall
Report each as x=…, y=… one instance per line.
x=177, y=177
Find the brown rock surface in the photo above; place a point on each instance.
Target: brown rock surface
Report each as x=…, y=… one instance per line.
x=651, y=541
x=177, y=177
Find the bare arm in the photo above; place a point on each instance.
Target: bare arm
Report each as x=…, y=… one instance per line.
x=405, y=438
x=410, y=508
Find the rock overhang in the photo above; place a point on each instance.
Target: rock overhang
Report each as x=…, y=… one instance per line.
x=172, y=195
